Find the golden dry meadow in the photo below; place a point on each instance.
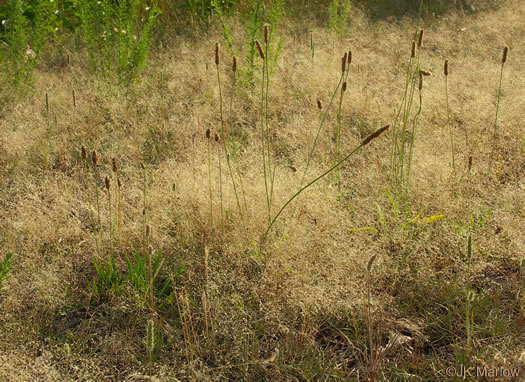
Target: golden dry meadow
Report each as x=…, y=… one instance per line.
x=163, y=230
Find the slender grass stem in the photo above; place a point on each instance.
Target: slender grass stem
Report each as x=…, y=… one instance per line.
x=365, y=141
x=495, y=130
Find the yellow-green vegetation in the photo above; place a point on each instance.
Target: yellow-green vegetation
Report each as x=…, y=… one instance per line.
x=242, y=193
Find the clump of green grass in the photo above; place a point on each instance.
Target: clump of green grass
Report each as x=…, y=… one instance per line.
x=5, y=268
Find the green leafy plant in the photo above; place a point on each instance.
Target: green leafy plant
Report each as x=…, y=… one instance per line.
x=107, y=279
x=118, y=36
x=5, y=268
x=153, y=290
x=338, y=15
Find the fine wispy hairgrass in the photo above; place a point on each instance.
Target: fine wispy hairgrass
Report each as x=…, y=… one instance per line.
x=498, y=98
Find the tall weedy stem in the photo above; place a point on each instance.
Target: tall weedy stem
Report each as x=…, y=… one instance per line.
x=223, y=138
x=445, y=72
x=119, y=199
x=208, y=138
x=264, y=137
x=346, y=60
x=220, y=176
x=495, y=132
x=94, y=159
x=108, y=186
x=144, y=212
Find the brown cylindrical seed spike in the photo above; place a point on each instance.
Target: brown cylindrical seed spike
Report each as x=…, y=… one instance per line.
x=217, y=53
x=84, y=153
x=107, y=183
x=504, y=58
x=148, y=230
x=319, y=104
x=425, y=73
x=234, y=66
x=420, y=41
x=469, y=162
x=142, y=166
x=420, y=80
x=413, y=54
x=68, y=60
x=115, y=165
x=349, y=57
x=216, y=137
x=266, y=33
x=119, y=183
x=94, y=158
x=259, y=49
x=208, y=134
x=344, y=86
x=445, y=68
x=343, y=63
x=374, y=135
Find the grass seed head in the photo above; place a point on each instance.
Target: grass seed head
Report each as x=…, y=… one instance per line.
x=259, y=49
x=319, y=104
x=234, y=65
x=349, y=57
x=119, y=183
x=208, y=134
x=266, y=33
x=343, y=63
x=108, y=184
x=115, y=165
x=216, y=137
x=344, y=86
x=413, y=54
x=84, y=153
x=217, y=53
x=445, y=68
x=94, y=158
x=374, y=135
x=420, y=80
x=469, y=162
x=504, y=58
x=420, y=40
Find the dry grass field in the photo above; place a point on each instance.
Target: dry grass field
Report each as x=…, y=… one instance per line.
x=303, y=302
